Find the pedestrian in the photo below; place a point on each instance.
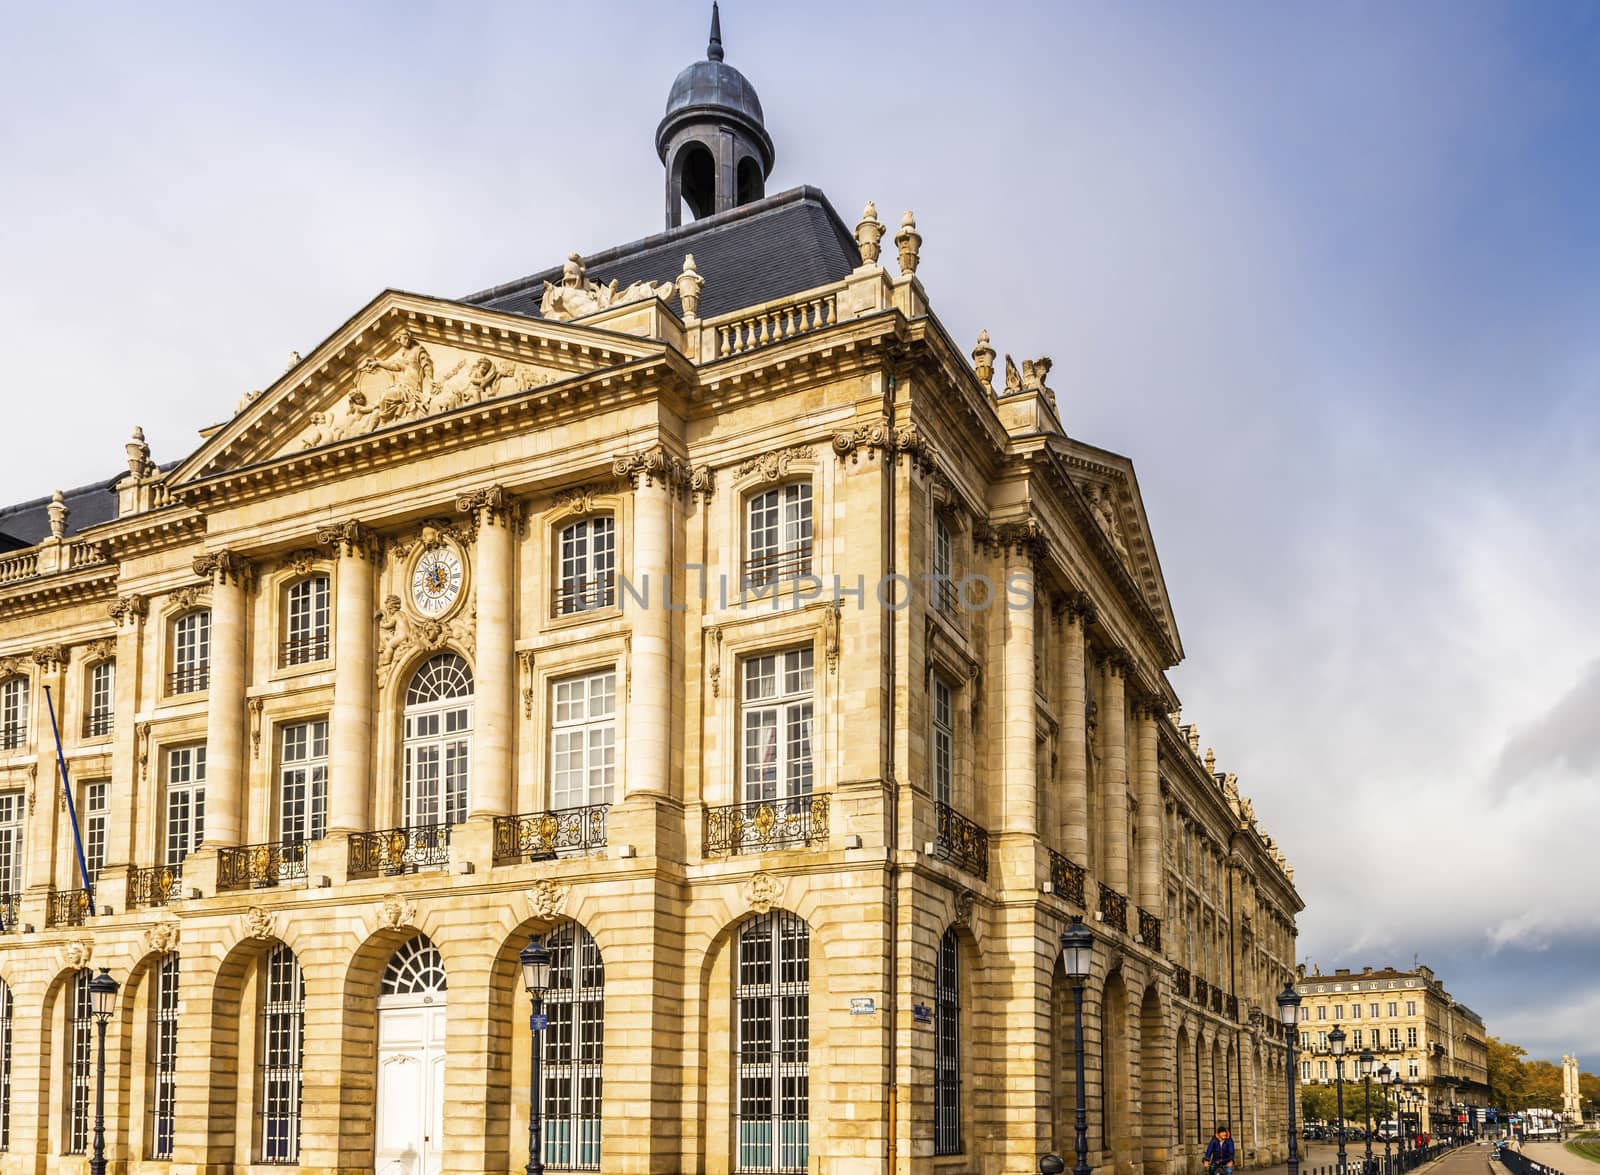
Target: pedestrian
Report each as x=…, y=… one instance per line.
x=1219, y=1151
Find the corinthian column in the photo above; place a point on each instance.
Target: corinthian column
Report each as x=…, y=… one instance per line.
x=1114, y=754
x=1075, y=739
x=1020, y=790
x=655, y=475
x=1148, y=785
x=350, y=736
x=494, y=707
x=225, y=730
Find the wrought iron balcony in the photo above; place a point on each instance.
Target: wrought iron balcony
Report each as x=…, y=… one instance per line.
x=260, y=866
x=584, y=595
x=961, y=841
x=1150, y=929
x=303, y=650
x=67, y=907
x=1200, y=990
x=946, y=596
x=98, y=723
x=8, y=913
x=1066, y=878
x=1216, y=998
x=12, y=736
x=153, y=886
x=541, y=836
x=192, y=679
x=394, y=851
x=767, y=570
x=1182, y=980
x=1113, y=909
x=764, y=825
x=1232, y=1005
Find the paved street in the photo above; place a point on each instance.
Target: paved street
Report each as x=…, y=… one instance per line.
x=1315, y=1156
x=1553, y=1154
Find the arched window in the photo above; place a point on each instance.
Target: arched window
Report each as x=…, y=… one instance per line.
x=191, y=654
x=164, y=1059
x=772, y=1007
x=573, y=1043
x=438, y=742
x=752, y=184
x=100, y=693
x=588, y=566
x=947, y=1049
x=13, y=712
x=5, y=1066
x=79, y=1061
x=414, y=969
x=283, y=1038
x=306, y=618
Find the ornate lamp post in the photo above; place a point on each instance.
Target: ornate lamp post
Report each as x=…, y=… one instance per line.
x=535, y=960
x=102, y=1002
x=1289, y=1015
x=1336, y=1042
x=1385, y=1076
x=1364, y=1067
x=1077, y=956
x=1401, y=1099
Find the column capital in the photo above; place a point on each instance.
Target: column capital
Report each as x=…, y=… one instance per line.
x=490, y=505
x=655, y=466
x=348, y=538
x=130, y=609
x=1021, y=537
x=224, y=567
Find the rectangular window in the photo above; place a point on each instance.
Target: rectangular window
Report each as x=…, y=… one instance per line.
x=102, y=688
x=583, y=741
x=1305, y=1040
x=772, y=1009
x=79, y=1066
x=307, y=622
x=1322, y=1042
x=1394, y=1038
x=588, y=566
x=1413, y=1074
x=777, y=725
x=186, y=801
x=1356, y=1041
x=1373, y=1009
x=1355, y=1011
x=5, y=1066
x=1322, y=1070
x=283, y=1039
x=947, y=1050
x=1305, y=1013
x=574, y=1051
x=1394, y=1009
x=1338, y=1011
x=191, y=654
x=303, y=781
x=944, y=738
x=1411, y=1007
x=96, y=808
x=1411, y=1038
x=945, y=592
x=1305, y=1070
x=164, y=1042
x=13, y=850
x=13, y=713
x=778, y=536
x=1322, y=1012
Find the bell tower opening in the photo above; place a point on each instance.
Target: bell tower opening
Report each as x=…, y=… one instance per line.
x=712, y=138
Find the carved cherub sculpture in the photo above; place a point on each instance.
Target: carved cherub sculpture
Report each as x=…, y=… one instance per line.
x=394, y=631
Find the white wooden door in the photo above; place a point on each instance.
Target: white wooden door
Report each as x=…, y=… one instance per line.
x=410, y=1134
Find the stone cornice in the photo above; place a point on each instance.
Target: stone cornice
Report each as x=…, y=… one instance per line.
x=43, y=592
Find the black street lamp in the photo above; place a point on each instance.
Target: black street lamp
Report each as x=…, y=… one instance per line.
x=1364, y=1066
x=102, y=1002
x=1385, y=1076
x=1077, y=957
x=1336, y=1041
x=535, y=960
x=1401, y=1100
x=1289, y=1015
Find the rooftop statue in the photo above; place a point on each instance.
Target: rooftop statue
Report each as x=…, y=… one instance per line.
x=577, y=296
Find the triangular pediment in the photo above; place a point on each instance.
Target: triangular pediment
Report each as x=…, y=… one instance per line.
x=402, y=359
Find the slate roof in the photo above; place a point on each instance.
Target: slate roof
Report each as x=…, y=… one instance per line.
x=28, y=523
x=748, y=255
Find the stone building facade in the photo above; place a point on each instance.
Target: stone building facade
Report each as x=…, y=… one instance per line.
x=699, y=604
x=1409, y=1021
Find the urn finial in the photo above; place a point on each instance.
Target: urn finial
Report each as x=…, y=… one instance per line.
x=869, y=234
x=58, y=512
x=909, y=241
x=983, y=360
x=690, y=283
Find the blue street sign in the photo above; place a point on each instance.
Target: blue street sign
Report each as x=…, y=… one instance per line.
x=539, y=1023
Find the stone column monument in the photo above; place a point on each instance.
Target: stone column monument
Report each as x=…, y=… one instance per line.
x=1571, y=1102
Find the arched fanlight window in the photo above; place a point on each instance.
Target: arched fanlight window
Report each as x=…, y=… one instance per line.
x=438, y=742
x=414, y=969
x=573, y=1047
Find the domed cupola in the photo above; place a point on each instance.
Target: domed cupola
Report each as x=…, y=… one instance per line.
x=712, y=138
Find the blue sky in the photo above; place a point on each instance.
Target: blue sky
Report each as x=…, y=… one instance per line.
x=1327, y=273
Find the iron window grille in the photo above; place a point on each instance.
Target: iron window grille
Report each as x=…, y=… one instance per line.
x=573, y=1051
x=191, y=654
x=164, y=1038
x=947, y=1049
x=97, y=719
x=5, y=1067
x=283, y=1016
x=588, y=566
x=79, y=1066
x=307, y=623
x=772, y=1001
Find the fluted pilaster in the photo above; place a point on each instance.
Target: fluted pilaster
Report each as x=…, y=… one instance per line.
x=1114, y=756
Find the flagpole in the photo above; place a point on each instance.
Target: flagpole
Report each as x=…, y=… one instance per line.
x=72, y=809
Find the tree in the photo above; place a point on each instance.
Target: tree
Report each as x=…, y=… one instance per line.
x=1541, y=1085
x=1589, y=1087
x=1506, y=1074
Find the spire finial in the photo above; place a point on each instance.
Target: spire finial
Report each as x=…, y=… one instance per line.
x=714, y=50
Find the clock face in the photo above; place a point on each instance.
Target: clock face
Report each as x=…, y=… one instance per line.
x=436, y=581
